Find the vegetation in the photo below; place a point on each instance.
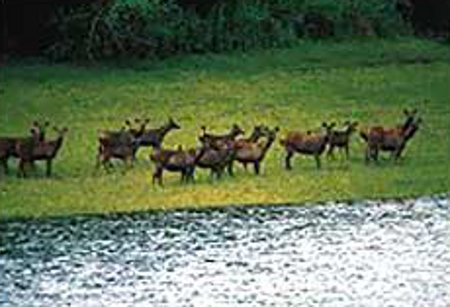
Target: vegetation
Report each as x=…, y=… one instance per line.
x=155, y=28
x=296, y=89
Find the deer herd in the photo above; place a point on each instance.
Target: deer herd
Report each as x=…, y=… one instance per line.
x=217, y=152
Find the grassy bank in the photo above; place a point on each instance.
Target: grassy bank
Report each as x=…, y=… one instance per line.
x=296, y=88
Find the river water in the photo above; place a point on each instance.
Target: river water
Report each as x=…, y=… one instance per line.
x=371, y=253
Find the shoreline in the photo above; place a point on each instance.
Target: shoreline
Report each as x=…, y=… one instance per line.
x=182, y=208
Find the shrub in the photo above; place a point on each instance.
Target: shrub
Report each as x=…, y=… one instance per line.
x=160, y=28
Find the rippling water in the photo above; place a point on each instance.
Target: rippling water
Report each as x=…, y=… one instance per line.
x=365, y=254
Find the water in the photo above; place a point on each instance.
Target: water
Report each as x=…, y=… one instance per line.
x=366, y=254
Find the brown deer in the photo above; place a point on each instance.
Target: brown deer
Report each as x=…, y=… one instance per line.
x=40, y=151
x=122, y=144
x=217, y=158
x=127, y=135
x=9, y=145
x=125, y=152
x=221, y=141
x=217, y=140
x=257, y=133
x=179, y=160
x=255, y=151
x=308, y=143
x=392, y=140
x=155, y=137
x=341, y=139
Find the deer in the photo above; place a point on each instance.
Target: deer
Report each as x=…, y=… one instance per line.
x=220, y=141
x=9, y=145
x=392, y=140
x=306, y=143
x=178, y=160
x=216, y=140
x=341, y=139
x=126, y=135
x=217, y=158
x=45, y=150
x=122, y=144
x=257, y=133
x=125, y=152
x=255, y=151
x=155, y=137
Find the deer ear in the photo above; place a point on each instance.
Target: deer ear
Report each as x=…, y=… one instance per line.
x=147, y=120
x=127, y=122
x=415, y=111
x=333, y=124
x=276, y=129
x=324, y=124
x=47, y=123
x=65, y=129
x=406, y=112
x=137, y=120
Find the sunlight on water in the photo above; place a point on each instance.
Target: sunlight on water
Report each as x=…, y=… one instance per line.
x=366, y=254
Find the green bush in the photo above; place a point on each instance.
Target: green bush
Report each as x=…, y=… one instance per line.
x=160, y=28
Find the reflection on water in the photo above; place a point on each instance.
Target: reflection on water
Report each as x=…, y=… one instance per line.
x=365, y=254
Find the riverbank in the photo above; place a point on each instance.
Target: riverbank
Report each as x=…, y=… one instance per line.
x=298, y=88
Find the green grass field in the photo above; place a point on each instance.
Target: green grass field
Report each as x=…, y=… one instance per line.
x=297, y=88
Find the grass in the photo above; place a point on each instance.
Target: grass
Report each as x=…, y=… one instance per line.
x=297, y=88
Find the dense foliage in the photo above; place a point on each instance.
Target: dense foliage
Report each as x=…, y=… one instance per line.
x=155, y=28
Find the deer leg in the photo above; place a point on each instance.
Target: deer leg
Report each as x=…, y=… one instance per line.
x=330, y=153
x=219, y=172
x=20, y=169
x=106, y=162
x=127, y=162
x=367, y=155
x=157, y=175
x=183, y=176
x=5, y=165
x=109, y=163
x=317, y=158
x=190, y=174
x=135, y=150
x=245, y=165
x=230, y=169
x=347, y=151
x=256, y=167
x=160, y=178
x=21, y=172
x=287, y=160
x=49, y=167
x=396, y=154
x=375, y=154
